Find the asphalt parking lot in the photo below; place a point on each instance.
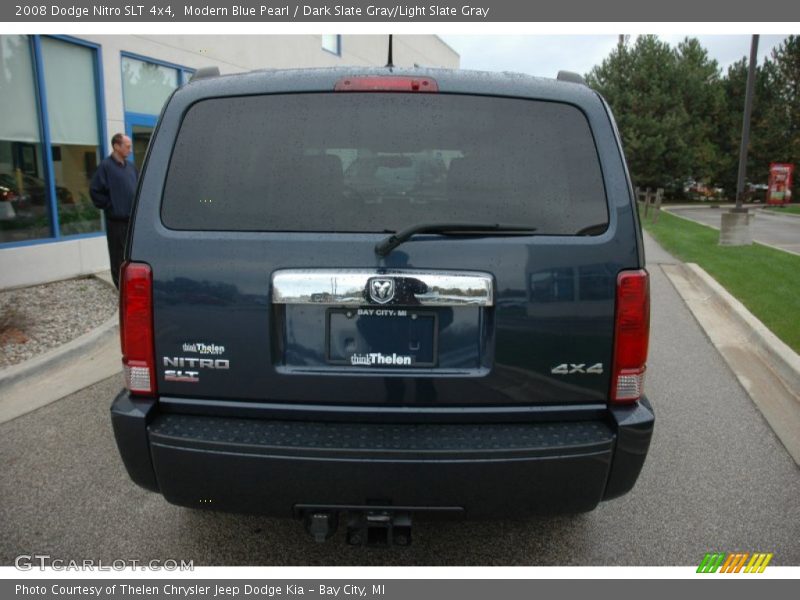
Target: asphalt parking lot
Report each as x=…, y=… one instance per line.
x=716, y=478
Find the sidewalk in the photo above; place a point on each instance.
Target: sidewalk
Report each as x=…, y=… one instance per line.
x=656, y=255
x=766, y=368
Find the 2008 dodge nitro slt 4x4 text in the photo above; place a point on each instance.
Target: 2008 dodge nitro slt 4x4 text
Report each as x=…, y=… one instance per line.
x=377, y=292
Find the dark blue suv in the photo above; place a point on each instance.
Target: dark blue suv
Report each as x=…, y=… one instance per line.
x=382, y=291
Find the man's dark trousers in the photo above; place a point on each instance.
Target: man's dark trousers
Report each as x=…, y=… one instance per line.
x=116, y=235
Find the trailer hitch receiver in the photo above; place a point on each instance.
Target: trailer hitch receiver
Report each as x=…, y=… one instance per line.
x=379, y=528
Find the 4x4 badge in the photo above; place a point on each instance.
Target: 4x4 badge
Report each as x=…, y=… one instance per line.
x=381, y=290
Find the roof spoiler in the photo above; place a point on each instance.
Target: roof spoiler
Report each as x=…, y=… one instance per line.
x=204, y=73
x=571, y=77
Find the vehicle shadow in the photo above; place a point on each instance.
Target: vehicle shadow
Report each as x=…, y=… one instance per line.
x=250, y=540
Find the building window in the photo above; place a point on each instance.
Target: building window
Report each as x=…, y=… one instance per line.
x=69, y=75
x=24, y=205
x=50, y=130
x=146, y=86
x=332, y=43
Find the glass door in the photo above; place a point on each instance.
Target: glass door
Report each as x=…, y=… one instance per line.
x=139, y=128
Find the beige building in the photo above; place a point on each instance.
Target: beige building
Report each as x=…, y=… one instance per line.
x=64, y=96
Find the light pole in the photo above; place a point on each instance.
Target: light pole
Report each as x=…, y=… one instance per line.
x=735, y=225
x=748, y=109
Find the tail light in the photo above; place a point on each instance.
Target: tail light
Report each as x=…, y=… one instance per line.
x=631, y=336
x=384, y=83
x=136, y=327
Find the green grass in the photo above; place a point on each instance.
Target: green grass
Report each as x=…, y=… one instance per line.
x=766, y=281
x=789, y=208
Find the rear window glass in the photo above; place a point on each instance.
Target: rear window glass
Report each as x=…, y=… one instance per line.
x=376, y=162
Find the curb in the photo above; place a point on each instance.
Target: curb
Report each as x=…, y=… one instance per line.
x=39, y=365
x=776, y=353
x=706, y=206
x=779, y=214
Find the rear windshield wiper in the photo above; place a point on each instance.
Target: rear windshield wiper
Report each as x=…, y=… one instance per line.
x=385, y=246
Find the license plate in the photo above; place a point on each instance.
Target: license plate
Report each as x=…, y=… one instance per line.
x=381, y=337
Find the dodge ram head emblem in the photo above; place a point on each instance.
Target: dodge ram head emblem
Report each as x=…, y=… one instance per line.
x=381, y=290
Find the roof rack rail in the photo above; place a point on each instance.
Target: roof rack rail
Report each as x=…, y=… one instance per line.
x=204, y=72
x=571, y=77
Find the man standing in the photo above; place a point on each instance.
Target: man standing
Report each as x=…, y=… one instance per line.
x=113, y=188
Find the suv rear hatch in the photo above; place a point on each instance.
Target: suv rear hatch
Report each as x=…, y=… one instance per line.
x=266, y=281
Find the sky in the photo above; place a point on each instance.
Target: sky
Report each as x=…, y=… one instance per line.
x=546, y=55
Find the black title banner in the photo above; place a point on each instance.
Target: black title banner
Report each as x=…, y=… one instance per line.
x=399, y=12
x=385, y=589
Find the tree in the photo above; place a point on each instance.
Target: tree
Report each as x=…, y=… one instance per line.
x=640, y=84
x=680, y=119
x=729, y=127
x=703, y=97
x=670, y=105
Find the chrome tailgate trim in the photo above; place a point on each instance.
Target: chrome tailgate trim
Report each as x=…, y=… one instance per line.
x=384, y=287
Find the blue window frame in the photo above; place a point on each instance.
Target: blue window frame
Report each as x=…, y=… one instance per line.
x=133, y=119
x=41, y=91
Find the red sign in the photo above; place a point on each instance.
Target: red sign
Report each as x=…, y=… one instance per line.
x=780, y=183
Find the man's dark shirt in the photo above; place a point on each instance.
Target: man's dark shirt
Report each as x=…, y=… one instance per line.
x=113, y=188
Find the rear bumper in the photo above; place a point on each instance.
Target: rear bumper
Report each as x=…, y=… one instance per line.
x=277, y=467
